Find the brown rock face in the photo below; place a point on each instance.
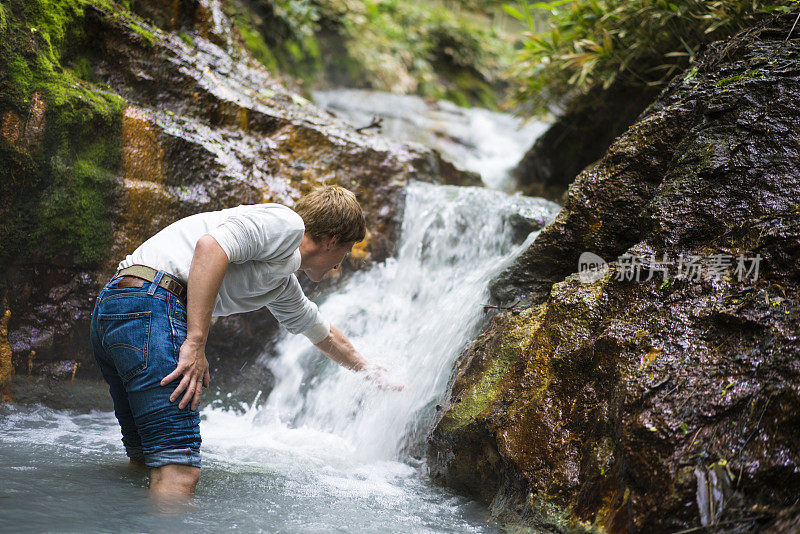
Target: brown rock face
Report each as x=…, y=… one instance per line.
x=657, y=403
x=25, y=136
x=205, y=128
x=578, y=137
x=6, y=366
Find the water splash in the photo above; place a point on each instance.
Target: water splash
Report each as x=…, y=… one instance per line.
x=412, y=314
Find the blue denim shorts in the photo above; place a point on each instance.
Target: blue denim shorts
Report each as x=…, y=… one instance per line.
x=136, y=335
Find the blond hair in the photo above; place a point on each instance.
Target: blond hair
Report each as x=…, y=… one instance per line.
x=332, y=210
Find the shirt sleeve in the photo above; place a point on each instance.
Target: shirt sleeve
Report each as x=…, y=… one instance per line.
x=261, y=232
x=298, y=314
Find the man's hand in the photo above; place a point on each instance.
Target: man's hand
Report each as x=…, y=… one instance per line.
x=380, y=375
x=339, y=349
x=192, y=364
x=206, y=272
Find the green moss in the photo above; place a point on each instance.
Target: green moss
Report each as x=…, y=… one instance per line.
x=479, y=394
x=734, y=79
x=186, y=38
x=485, y=387
x=59, y=186
x=141, y=30
x=3, y=21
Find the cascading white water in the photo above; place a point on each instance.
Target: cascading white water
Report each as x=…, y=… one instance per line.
x=474, y=139
x=412, y=314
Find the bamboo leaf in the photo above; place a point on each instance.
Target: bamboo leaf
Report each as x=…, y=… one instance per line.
x=597, y=42
x=514, y=12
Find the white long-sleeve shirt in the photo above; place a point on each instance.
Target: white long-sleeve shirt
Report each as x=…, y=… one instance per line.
x=262, y=243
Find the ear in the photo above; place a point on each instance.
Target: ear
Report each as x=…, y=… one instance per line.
x=331, y=242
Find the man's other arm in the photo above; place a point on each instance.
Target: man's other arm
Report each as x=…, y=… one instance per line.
x=208, y=268
x=339, y=349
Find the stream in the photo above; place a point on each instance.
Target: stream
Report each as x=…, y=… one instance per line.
x=324, y=450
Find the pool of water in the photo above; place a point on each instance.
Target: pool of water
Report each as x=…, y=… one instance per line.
x=62, y=471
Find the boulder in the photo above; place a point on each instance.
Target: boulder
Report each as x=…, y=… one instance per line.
x=176, y=119
x=659, y=392
x=579, y=136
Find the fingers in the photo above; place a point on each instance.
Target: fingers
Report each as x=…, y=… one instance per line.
x=391, y=386
x=172, y=376
x=196, y=400
x=188, y=395
x=184, y=383
x=384, y=380
x=191, y=388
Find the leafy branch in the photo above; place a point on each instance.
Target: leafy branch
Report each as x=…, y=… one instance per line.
x=595, y=43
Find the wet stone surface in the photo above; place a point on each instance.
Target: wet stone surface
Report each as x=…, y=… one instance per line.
x=203, y=127
x=660, y=404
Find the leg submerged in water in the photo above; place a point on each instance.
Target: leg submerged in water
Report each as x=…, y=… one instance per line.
x=173, y=480
x=136, y=335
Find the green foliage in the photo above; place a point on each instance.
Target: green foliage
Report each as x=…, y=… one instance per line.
x=595, y=43
x=430, y=48
x=186, y=38
x=3, y=21
x=444, y=50
x=57, y=186
x=280, y=35
x=739, y=77
x=254, y=42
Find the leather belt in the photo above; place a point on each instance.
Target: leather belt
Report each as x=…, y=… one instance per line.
x=148, y=274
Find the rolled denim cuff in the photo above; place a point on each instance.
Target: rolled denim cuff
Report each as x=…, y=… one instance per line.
x=134, y=453
x=185, y=456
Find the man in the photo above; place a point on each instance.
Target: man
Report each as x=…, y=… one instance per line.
x=151, y=321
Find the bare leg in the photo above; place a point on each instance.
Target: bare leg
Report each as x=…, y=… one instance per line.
x=138, y=464
x=173, y=480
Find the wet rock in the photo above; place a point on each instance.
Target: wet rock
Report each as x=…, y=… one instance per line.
x=202, y=127
x=6, y=365
x=26, y=135
x=788, y=521
x=653, y=402
x=78, y=395
x=579, y=136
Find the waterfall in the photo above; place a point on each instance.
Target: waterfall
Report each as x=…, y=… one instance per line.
x=412, y=314
x=474, y=139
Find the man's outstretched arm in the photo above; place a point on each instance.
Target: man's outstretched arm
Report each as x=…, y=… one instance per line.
x=207, y=270
x=339, y=349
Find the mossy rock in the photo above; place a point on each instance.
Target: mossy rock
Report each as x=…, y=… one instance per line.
x=65, y=150
x=637, y=395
